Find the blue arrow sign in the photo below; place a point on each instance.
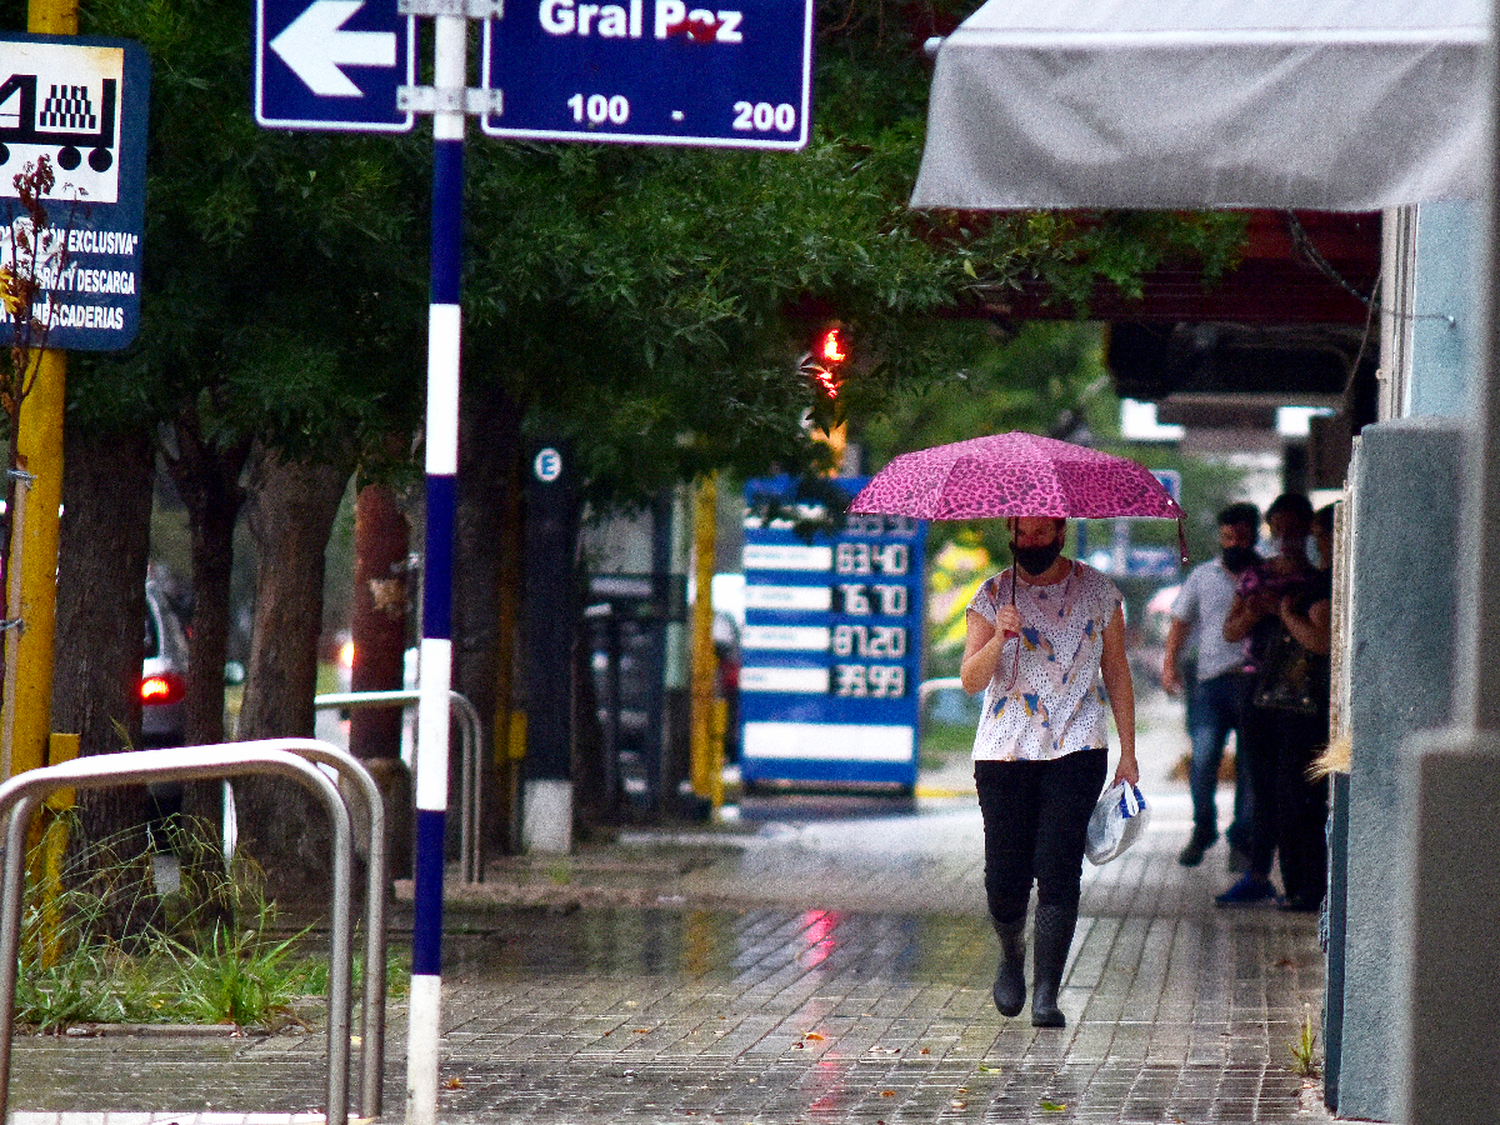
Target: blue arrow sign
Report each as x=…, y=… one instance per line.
x=734, y=75
x=332, y=64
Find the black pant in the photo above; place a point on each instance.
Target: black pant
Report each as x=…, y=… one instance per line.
x=1036, y=817
x=1288, y=822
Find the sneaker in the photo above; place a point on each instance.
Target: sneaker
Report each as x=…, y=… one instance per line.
x=1249, y=889
x=1192, y=853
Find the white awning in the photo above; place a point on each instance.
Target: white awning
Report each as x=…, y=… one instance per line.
x=1331, y=105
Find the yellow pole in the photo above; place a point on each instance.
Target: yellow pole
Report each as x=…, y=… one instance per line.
x=33, y=536
x=707, y=754
x=52, y=17
x=27, y=708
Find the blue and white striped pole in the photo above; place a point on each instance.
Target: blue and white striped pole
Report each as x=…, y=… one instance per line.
x=444, y=334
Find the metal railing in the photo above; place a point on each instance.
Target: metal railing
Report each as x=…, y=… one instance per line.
x=471, y=777
x=294, y=758
x=376, y=886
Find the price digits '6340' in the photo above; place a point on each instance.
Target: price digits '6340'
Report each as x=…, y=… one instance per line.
x=872, y=558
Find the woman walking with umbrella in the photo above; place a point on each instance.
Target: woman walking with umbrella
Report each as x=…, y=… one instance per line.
x=1046, y=644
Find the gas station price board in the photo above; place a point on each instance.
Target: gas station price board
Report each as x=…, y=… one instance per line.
x=831, y=654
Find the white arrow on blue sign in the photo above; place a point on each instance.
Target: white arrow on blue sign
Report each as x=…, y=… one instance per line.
x=332, y=64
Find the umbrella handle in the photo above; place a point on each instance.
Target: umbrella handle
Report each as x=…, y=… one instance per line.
x=1015, y=668
x=1015, y=665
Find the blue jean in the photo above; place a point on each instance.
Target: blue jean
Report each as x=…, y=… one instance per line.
x=1217, y=708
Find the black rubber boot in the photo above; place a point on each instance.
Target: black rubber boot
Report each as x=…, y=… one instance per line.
x=1010, y=978
x=1052, y=938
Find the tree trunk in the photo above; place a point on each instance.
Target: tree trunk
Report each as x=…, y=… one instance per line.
x=208, y=481
x=379, y=627
x=292, y=507
x=381, y=595
x=489, y=444
x=101, y=606
x=207, y=478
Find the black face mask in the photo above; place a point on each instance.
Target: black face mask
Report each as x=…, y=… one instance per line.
x=1034, y=560
x=1237, y=559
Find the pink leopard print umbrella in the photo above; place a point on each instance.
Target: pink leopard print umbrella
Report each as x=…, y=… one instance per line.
x=1015, y=474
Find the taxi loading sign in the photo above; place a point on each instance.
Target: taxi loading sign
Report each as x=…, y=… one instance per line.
x=80, y=103
x=728, y=73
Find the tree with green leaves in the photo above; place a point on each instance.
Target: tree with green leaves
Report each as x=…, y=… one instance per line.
x=649, y=301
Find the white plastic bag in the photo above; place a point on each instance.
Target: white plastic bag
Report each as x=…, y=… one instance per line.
x=1118, y=818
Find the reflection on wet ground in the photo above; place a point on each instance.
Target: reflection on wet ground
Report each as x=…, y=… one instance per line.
x=738, y=947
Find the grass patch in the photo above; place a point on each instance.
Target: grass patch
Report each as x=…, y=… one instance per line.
x=104, y=947
x=1305, y=1047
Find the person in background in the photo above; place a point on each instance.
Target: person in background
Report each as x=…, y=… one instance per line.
x=1302, y=801
x=1046, y=644
x=1216, y=707
x=1284, y=721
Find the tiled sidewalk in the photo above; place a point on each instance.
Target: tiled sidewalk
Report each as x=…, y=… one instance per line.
x=814, y=970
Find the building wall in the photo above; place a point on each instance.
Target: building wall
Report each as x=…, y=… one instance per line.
x=1405, y=493
x=1405, y=498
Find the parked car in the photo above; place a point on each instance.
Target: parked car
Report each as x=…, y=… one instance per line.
x=163, y=673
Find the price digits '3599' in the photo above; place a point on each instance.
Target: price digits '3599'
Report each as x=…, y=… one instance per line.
x=869, y=681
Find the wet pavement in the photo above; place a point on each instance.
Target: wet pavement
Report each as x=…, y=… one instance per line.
x=809, y=960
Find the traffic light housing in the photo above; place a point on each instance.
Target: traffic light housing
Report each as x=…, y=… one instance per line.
x=824, y=364
x=825, y=359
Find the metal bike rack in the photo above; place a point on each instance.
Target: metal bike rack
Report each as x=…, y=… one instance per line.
x=376, y=878
x=21, y=796
x=471, y=781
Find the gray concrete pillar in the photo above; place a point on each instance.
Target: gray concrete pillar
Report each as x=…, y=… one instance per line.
x=1406, y=498
x=1449, y=971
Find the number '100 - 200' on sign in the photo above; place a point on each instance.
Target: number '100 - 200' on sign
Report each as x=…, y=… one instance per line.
x=614, y=109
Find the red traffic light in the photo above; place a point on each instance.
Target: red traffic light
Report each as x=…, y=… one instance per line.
x=831, y=348
x=822, y=361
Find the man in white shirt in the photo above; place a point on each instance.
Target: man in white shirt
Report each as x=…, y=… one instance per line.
x=1218, y=694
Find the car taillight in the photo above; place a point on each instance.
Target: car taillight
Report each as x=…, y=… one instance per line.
x=164, y=687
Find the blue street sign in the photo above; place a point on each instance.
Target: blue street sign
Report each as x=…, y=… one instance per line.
x=1171, y=480
x=332, y=64
x=652, y=72
x=80, y=103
